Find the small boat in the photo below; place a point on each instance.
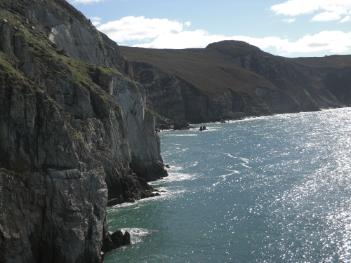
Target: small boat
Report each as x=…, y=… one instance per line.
x=202, y=128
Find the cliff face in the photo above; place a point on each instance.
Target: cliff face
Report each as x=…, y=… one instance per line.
x=74, y=132
x=230, y=79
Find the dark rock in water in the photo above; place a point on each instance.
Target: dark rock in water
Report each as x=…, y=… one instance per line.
x=136, y=189
x=115, y=240
x=115, y=201
x=150, y=170
x=164, y=126
x=181, y=125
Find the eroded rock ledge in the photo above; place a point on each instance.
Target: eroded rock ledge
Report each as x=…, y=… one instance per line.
x=74, y=132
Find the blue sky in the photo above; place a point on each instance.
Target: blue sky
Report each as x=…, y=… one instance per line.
x=283, y=27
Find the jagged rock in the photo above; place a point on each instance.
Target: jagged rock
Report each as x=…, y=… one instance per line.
x=73, y=126
x=181, y=125
x=115, y=240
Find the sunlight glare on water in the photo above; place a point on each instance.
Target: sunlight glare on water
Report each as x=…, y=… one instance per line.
x=268, y=189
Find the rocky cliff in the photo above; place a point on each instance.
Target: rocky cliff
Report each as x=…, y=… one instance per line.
x=75, y=132
x=231, y=79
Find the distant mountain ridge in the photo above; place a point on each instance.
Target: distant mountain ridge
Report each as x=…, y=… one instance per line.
x=232, y=79
x=77, y=132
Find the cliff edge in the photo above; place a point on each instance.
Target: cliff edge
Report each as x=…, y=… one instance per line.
x=75, y=133
x=232, y=80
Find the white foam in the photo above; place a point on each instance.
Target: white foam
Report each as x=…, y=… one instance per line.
x=230, y=155
x=182, y=135
x=232, y=173
x=216, y=183
x=193, y=164
x=164, y=193
x=137, y=234
x=224, y=178
x=174, y=168
x=127, y=204
x=178, y=177
x=245, y=165
x=171, y=169
x=245, y=160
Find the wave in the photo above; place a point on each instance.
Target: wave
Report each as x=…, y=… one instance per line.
x=193, y=164
x=224, y=178
x=232, y=172
x=245, y=160
x=230, y=156
x=175, y=168
x=137, y=234
x=181, y=135
x=177, y=177
x=164, y=194
x=245, y=165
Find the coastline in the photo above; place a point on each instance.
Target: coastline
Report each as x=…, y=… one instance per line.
x=235, y=184
x=193, y=126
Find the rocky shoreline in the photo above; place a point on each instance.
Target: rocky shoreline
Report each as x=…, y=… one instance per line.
x=79, y=118
x=75, y=132
x=115, y=240
x=232, y=80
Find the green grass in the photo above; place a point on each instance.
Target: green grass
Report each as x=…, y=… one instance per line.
x=7, y=67
x=46, y=53
x=109, y=71
x=52, y=62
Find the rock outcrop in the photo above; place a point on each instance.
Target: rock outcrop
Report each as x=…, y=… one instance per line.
x=74, y=132
x=116, y=240
x=231, y=80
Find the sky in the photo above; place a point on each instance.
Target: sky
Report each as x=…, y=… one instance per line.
x=291, y=28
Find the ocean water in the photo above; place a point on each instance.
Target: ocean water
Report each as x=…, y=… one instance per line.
x=268, y=189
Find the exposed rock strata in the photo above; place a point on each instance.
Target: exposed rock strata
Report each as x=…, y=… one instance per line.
x=116, y=240
x=74, y=132
x=231, y=80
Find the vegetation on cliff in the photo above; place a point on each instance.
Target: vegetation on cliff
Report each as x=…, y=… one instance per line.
x=231, y=79
x=74, y=133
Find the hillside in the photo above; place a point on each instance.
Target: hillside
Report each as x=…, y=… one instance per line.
x=231, y=79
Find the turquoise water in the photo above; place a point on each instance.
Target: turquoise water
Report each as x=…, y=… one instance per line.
x=269, y=189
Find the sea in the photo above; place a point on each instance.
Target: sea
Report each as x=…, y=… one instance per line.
x=266, y=189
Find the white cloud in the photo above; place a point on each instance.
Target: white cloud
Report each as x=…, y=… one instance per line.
x=321, y=10
x=187, y=23
x=289, y=20
x=164, y=33
x=326, y=16
x=345, y=19
x=138, y=28
x=96, y=21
